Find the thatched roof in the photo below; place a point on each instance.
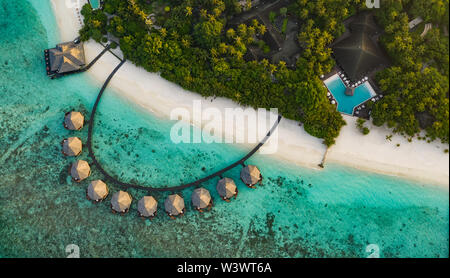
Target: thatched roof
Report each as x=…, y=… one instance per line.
x=174, y=204
x=74, y=120
x=121, y=201
x=226, y=188
x=97, y=190
x=364, y=23
x=359, y=54
x=67, y=57
x=250, y=175
x=147, y=206
x=80, y=170
x=201, y=198
x=72, y=146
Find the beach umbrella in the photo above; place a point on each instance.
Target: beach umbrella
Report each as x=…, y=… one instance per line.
x=72, y=146
x=80, y=170
x=333, y=102
x=147, y=206
x=250, y=175
x=97, y=190
x=226, y=188
x=121, y=201
x=74, y=120
x=328, y=93
x=174, y=204
x=201, y=198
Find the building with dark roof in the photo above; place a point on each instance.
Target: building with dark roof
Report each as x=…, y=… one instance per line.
x=359, y=53
x=65, y=57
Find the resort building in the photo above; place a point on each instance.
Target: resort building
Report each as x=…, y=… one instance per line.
x=226, y=188
x=97, y=191
x=174, y=205
x=121, y=202
x=80, y=170
x=147, y=206
x=201, y=198
x=357, y=52
x=73, y=120
x=65, y=58
x=72, y=146
x=250, y=175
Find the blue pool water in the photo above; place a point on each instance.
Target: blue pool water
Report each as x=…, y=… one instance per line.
x=95, y=3
x=346, y=104
x=297, y=212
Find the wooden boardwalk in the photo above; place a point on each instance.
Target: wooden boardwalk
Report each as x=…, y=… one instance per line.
x=198, y=182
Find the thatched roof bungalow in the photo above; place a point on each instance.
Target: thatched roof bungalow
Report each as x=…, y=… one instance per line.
x=250, y=175
x=80, y=170
x=226, y=188
x=121, y=202
x=73, y=120
x=66, y=57
x=201, y=198
x=174, y=205
x=97, y=191
x=147, y=206
x=72, y=146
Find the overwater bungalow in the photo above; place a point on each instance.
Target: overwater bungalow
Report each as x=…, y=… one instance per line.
x=80, y=170
x=201, y=199
x=121, y=202
x=65, y=58
x=73, y=120
x=72, y=146
x=174, y=205
x=227, y=189
x=97, y=191
x=250, y=175
x=359, y=53
x=147, y=207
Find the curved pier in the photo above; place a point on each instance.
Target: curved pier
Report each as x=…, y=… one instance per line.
x=173, y=188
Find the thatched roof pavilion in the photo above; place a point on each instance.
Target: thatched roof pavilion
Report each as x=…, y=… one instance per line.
x=80, y=170
x=66, y=57
x=74, y=120
x=121, y=201
x=147, y=206
x=250, y=175
x=72, y=146
x=359, y=54
x=97, y=190
x=226, y=188
x=174, y=205
x=201, y=198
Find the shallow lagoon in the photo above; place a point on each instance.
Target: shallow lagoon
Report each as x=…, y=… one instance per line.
x=298, y=212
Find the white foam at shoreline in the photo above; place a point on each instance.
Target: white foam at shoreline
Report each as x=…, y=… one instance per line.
x=417, y=160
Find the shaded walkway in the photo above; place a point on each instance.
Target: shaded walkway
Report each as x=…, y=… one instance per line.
x=173, y=188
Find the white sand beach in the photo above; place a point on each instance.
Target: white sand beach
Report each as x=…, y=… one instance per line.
x=417, y=160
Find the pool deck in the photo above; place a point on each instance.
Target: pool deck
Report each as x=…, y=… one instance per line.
x=363, y=110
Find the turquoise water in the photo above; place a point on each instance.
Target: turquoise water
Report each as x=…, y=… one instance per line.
x=95, y=3
x=346, y=104
x=298, y=212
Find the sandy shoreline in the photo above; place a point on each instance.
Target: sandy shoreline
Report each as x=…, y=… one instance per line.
x=417, y=160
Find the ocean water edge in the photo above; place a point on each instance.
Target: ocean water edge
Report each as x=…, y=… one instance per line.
x=297, y=212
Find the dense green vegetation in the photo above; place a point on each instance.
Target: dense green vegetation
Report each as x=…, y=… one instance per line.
x=190, y=43
x=416, y=86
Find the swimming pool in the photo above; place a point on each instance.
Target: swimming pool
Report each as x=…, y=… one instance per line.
x=346, y=104
x=95, y=4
